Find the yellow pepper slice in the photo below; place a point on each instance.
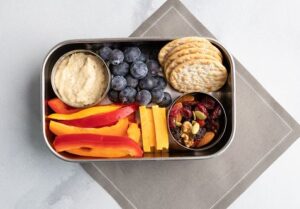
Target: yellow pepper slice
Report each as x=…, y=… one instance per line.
x=85, y=112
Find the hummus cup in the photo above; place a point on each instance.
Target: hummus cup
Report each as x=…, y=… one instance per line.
x=106, y=69
x=218, y=137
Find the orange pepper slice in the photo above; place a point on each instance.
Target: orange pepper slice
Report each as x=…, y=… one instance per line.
x=119, y=129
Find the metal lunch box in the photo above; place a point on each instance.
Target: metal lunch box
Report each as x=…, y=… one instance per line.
x=226, y=95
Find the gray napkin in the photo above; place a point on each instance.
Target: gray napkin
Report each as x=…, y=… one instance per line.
x=212, y=183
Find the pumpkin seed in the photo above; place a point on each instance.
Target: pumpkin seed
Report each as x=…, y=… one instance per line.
x=178, y=124
x=200, y=115
x=194, y=116
x=195, y=128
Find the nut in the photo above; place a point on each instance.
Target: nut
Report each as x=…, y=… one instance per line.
x=186, y=140
x=185, y=136
x=178, y=124
x=207, y=138
x=186, y=98
x=193, y=122
x=195, y=128
x=194, y=116
x=186, y=127
x=200, y=115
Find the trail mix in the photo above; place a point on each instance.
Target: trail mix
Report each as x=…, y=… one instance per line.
x=195, y=123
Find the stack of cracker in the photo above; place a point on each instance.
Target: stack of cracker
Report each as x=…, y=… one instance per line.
x=193, y=64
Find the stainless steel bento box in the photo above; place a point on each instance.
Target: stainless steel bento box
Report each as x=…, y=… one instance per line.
x=226, y=95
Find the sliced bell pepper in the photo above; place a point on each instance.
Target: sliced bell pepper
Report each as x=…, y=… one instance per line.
x=85, y=112
x=119, y=129
x=131, y=118
x=134, y=132
x=92, y=145
x=104, y=119
x=59, y=107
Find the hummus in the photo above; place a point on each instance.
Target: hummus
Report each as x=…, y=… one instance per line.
x=80, y=79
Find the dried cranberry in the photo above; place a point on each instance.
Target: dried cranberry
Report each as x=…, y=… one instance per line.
x=187, y=113
x=201, y=107
x=175, y=112
x=215, y=125
x=172, y=122
x=185, y=119
x=176, y=109
x=201, y=122
x=208, y=102
x=187, y=106
x=208, y=124
x=216, y=112
x=178, y=105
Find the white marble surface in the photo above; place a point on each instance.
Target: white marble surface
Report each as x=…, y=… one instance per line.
x=263, y=35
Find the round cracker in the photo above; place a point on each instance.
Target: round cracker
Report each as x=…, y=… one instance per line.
x=191, y=50
x=193, y=45
x=169, y=46
x=186, y=58
x=198, y=75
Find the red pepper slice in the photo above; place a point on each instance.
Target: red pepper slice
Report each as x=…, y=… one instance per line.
x=104, y=119
x=131, y=117
x=92, y=145
x=59, y=107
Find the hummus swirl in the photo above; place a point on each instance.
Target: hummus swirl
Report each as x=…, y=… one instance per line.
x=80, y=79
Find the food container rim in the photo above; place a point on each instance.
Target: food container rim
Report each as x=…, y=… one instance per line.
x=86, y=51
x=131, y=39
x=206, y=147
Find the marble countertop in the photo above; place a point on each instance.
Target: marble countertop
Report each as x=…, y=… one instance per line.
x=263, y=35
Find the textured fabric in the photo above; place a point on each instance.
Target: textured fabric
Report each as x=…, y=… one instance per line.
x=212, y=183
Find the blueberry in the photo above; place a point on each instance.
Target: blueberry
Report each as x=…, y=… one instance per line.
x=139, y=70
x=147, y=83
x=120, y=69
x=118, y=83
x=116, y=57
x=153, y=67
x=132, y=54
x=160, y=82
x=143, y=57
x=167, y=100
x=104, y=52
x=143, y=97
x=157, y=95
x=131, y=81
x=113, y=96
x=127, y=95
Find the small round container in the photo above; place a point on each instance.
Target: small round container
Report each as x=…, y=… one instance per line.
x=106, y=71
x=217, y=137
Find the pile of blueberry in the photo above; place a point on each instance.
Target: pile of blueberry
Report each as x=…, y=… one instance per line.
x=135, y=77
